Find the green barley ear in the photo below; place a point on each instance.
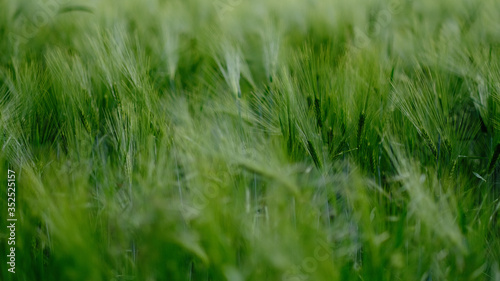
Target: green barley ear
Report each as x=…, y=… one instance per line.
x=453, y=168
x=309, y=101
x=447, y=145
x=128, y=168
x=429, y=142
x=342, y=145
x=229, y=60
x=494, y=158
x=271, y=41
x=361, y=124
x=330, y=137
x=317, y=111
x=85, y=121
x=374, y=159
x=314, y=154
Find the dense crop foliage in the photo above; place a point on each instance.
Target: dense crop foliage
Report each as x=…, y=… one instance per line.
x=251, y=139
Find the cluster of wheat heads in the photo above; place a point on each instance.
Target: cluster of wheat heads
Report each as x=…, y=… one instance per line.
x=251, y=140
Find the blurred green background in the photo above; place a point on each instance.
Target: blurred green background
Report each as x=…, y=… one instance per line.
x=251, y=139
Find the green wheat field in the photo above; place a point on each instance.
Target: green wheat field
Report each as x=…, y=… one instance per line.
x=250, y=140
